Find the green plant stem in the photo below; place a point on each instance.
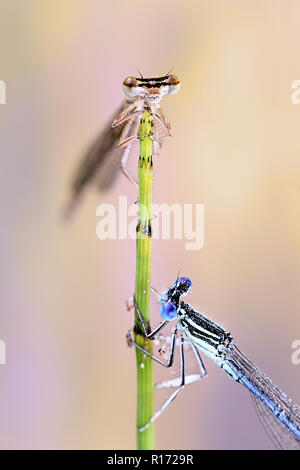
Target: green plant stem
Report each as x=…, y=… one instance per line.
x=145, y=373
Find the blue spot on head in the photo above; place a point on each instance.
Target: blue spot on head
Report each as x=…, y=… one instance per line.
x=168, y=311
x=184, y=279
x=184, y=284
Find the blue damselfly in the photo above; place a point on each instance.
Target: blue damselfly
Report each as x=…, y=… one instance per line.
x=280, y=416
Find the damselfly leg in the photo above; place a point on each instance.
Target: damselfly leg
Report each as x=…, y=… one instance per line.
x=179, y=383
x=123, y=165
x=142, y=321
x=172, y=397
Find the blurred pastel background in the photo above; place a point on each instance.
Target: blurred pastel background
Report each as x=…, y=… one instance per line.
x=69, y=381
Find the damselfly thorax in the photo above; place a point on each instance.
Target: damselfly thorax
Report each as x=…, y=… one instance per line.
x=112, y=148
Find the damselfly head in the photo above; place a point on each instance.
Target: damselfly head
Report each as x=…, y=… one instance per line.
x=170, y=299
x=151, y=89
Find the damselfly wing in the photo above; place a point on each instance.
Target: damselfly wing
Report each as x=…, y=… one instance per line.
x=281, y=437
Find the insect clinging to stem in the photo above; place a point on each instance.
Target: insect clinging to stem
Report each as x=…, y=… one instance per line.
x=112, y=148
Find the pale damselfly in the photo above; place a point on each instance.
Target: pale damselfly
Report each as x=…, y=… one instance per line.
x=279, y=415
x=112, y=148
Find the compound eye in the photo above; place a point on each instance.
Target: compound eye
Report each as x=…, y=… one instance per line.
x=130, y=82
x=130, y=86
x=168, y=311
x=185, y=285
x=174, y=84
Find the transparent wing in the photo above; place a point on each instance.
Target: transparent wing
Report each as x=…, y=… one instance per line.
x=111, y=150
x=100, y=163
x=281, y=436
x=283, y=408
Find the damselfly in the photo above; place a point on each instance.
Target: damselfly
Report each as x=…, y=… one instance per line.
x=112, y=148
x=280, y=416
